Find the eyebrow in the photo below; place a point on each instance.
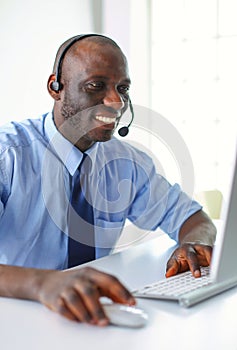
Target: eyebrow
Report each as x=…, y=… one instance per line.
x=126, y=80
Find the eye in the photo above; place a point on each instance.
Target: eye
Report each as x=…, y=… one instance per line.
x=124, y=89
x=95, y=85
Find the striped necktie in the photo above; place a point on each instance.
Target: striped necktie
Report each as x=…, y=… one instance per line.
x=81, y=248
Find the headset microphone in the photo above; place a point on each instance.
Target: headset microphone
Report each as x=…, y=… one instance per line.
x=125, y=129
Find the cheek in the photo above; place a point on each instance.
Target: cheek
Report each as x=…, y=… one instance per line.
x=83, y=99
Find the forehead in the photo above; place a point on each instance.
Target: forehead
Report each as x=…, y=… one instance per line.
x=89, y=57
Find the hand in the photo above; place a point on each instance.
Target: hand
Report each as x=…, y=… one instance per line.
x=75, y=293
x=189, y=257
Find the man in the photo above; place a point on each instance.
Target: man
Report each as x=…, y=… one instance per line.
x=40, y=160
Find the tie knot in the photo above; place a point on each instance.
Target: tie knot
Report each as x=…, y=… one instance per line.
x=85, y=164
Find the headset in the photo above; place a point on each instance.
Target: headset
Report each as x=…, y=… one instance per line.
x=57, y=86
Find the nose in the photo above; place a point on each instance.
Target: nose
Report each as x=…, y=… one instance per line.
x=113, y=99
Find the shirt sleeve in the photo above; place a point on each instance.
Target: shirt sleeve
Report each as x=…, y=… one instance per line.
x=5, y=164
x=1, y=206
x=160, y=204
x=1, y=190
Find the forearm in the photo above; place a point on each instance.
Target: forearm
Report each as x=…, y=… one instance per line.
x=20, y=282
x=198, y=229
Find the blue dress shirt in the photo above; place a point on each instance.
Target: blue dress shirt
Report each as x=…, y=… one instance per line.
x=37, y=173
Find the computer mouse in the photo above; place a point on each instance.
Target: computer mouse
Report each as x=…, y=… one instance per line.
x=125, y=316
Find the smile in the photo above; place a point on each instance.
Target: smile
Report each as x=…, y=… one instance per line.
x=106, y=120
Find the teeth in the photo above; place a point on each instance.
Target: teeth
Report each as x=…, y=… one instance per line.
x=106, y=120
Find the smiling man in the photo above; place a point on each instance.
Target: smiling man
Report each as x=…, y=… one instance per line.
x=67, y=186
x=96, y=92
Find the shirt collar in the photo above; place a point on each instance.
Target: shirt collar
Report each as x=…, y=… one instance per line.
x=66, y=151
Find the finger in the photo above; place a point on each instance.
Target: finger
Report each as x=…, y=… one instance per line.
x=204, y=253
x=172, y=267
x=192, y=260
x=76, y=306
x=208, y=253
x=116, y=291
x=90, y=295
x=63, y=310
x=111, y=287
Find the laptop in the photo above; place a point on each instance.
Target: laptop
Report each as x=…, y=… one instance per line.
x=219, y=277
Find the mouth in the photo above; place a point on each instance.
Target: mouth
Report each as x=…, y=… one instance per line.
x=106, y=120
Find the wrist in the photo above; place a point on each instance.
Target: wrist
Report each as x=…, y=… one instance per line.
x=20, y=282
x=204, y=234
x=196, y=241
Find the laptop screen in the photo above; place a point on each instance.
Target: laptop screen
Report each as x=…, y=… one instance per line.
x=224, y=260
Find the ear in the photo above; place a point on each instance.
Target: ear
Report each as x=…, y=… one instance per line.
x=54, y=94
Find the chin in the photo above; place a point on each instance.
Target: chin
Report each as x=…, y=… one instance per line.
x=104, y=136
x=104, y=139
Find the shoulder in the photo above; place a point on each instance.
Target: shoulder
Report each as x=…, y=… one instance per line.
x=116, y=148
x=124, y=160
x=21, y=134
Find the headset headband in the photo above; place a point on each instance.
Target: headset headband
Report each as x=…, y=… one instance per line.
x=56, y=84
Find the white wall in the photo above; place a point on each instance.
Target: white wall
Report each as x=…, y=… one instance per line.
x=31, y=32
x=194, y=75
x=128, y=22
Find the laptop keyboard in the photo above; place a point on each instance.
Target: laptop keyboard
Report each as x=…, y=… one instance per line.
x=175, y=286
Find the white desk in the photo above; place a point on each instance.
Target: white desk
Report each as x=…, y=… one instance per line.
x=209, y=325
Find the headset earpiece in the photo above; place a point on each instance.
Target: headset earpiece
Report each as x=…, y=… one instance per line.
x=55, y=86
